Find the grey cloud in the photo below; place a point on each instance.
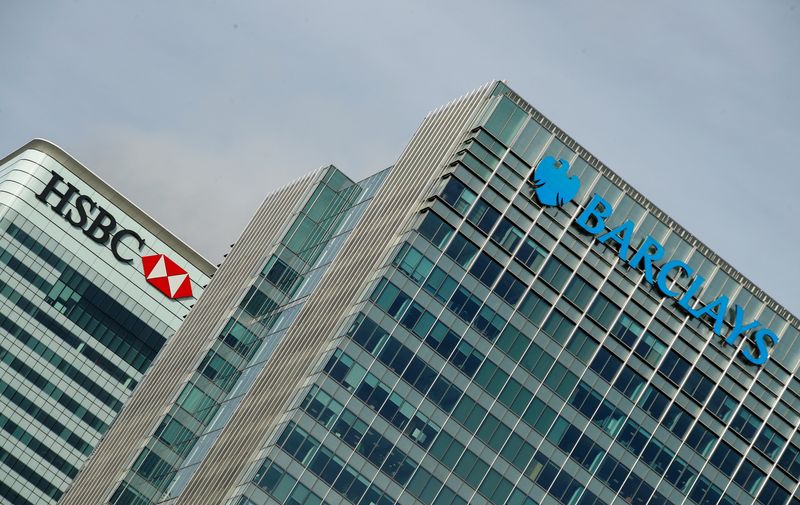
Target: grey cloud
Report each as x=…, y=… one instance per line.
x=692, y=103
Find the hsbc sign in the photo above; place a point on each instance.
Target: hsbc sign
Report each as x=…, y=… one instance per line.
x=102, y=228
x=95, y=221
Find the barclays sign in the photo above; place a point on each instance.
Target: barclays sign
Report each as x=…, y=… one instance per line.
x=553, y=187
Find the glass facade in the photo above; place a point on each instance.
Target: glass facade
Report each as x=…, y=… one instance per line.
x=498, y=355
x=504, y=358
x=246, y=341
x=77, y=333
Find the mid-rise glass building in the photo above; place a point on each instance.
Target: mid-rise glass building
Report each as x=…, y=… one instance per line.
x=79, y=322
x=463, y=328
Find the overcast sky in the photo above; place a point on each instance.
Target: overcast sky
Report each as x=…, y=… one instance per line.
x=195, y=110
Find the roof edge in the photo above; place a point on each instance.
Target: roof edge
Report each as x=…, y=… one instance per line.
x=652, y=208
x=115, y=197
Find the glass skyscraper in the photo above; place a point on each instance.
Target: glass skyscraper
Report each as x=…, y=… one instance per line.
x=497, y=319
x=79, y=323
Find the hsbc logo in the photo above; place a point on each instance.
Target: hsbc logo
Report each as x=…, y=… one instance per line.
x=102, y=228
x=166, y=276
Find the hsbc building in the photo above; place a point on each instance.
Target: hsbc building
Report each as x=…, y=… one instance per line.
x=91, y=288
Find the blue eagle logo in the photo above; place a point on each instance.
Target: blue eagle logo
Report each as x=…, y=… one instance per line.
x=552, y=185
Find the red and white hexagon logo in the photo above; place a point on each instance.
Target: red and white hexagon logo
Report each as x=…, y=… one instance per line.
x=169, y=278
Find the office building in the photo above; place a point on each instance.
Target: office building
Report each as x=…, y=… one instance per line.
x=496, y=319
x=90, y=290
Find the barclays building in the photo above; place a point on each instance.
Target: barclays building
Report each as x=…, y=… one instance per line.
x=498, y=318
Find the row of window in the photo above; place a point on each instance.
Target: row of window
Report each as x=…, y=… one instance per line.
x=30, y=475
x=60, y=331
x=654, y=453
x=50, y=422
x=769, y=442
x=423, y=325
x=574, y=291
x=24, y=372
x=606, y=468
x=97, y=313
x=79, y=378
x=42, y=449
x=325, y=410
x=283, y=487
x=629, y=382
x=697, y=386
x=342, y=477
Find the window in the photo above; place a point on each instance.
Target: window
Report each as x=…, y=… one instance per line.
x=507, y=235
x=770, y=442
x=435, y=229
x=555, y=273
x=558, y=327
x=440, y=285
x=627, y=330
x=493, y=432
x=219, y=371
x=281, y=275
x=674, y=367
x=539, y=416
x=461, y=250
x=749, y=477
x=609, y=418
x=701, y=439
x=657, y=457
x=654, y=402
x=650, y=348
x=606, y=365
x=458, y=195
x=790, y=461
x=512, y=342
x=468, y=413
x=509, y=288
x=175, y=435
x=561, y=380
x=773, y=494
x=585, y=399
x=489, y=323
x=483, y=215
x=531, y=254
x=506, y=119
x=491, y=378
x=725, y=458
x=603, y=310
x=412, y=263
x=579, y=292
x=197, y=403
x=534, y=307
x=257, y=303
x=704, y=492
x=677, y=420
x=471, y=469
x=698, y=386
x=633, y=436
x=464, y=305
x=582, y=345
x=746, y=423
x=486, y=269
x=680, y=475
x=629, y=383
x=722, y=405
x=417, y=320
x=391, y=299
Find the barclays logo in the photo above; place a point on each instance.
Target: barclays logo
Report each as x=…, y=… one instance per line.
x=553, y=188
x=551, y=184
